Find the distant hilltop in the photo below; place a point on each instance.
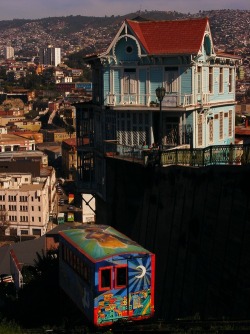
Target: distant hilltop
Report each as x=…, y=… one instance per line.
x=230, y=29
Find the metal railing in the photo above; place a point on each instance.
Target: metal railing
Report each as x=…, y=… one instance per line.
x=211, y=155
x=170, y=100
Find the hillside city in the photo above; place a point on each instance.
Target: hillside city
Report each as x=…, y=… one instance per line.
x=77, y=36
x=42, y=77
x=230, y=29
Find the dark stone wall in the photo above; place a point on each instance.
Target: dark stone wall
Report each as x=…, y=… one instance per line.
x=197, y=222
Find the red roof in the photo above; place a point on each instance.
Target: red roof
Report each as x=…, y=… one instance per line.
x=170, y=37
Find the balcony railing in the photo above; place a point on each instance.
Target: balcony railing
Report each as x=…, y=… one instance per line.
x=170, y=100
x=212, y=155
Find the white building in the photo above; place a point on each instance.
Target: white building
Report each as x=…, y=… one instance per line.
x=50, y=56
x=25, y=203
x=9, y=52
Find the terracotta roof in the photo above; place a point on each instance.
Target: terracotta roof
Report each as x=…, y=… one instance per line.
x=170, y=37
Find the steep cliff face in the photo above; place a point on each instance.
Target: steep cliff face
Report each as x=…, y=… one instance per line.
x=197, y=222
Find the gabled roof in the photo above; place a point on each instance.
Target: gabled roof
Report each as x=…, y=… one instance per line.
x=170, y=37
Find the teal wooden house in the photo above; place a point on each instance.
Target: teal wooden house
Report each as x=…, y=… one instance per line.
x=199, y=105
x=198, y=108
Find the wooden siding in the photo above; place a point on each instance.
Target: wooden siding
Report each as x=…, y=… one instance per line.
x=120, y=50
x=117, y=84
x=106, y=83
x=142, y=85
x=156, y=79
x=186, y=80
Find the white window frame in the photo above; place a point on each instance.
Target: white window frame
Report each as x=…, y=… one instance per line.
x=221, y=123
x=129, y=83
x=221, y=78
x=230, y=123
x=211, y=80
x=211, y=130
x=200, y=130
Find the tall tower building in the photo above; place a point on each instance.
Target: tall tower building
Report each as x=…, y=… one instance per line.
x=9, y=52
x=50, y=56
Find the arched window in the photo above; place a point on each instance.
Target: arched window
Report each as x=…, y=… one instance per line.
x=207, y=45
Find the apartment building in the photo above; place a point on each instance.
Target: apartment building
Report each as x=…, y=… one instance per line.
x=9, y=52
x=50, y=56
x=24, y=204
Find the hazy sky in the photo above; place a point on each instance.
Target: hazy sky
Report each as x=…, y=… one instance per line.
x=33, y=9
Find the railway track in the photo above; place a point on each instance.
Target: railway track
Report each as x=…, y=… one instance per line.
x=186, y=326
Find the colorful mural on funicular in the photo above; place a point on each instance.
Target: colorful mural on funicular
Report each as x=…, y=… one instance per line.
x=100, y=241
x=111, y=306
x=134, y=300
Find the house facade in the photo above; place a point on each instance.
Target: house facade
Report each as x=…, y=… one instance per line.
x=198, y=109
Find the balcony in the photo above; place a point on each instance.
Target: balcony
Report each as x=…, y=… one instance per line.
x=170, y=100
x=181, y=155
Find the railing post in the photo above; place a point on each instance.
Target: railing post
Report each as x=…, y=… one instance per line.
x=211, y=155
x=231, y=154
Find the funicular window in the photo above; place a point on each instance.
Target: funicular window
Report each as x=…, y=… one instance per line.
x=64, y=252
x=86, y=273
x=77, y=264
x=105, y=278
x=74, y=262
x=81, y=269
x=67, y=255
x=121, y=276
x=70, y=258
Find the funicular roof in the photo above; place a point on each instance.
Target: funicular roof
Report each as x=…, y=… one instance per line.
x=101, y=241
